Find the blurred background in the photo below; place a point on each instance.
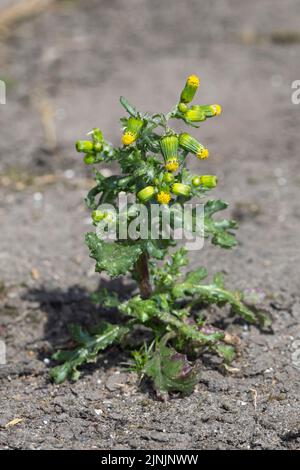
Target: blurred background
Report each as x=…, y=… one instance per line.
x=66, y=62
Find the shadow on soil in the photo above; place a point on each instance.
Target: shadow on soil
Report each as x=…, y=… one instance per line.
x=74, y=305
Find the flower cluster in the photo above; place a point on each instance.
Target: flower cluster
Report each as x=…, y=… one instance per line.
x=165, y=181
x=92, y=149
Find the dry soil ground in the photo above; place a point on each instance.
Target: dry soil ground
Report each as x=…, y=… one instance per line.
x=65, y=68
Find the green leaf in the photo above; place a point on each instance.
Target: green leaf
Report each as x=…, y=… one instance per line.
x=214, y=294
x=106, y=299
x=194, y=277
x=156, y=248
x=129, y=108
x=115, y=258
x=90, y=199
x=87, y=351
x=213, y=206
x=171, y=371
x=220, y=230
x=164, y=277
x=219, y=280
x=225, y=351
x=189, y=331
x=143, y=310
x=255, y=298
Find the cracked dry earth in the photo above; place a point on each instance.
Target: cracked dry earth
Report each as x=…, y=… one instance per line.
x=67, y=81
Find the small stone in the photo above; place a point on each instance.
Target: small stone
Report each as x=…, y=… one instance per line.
x=69, y=174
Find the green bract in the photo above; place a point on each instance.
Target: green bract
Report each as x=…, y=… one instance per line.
x=169, y=146
x=170, y=307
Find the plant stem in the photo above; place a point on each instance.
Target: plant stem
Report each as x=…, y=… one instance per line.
x=143, y=276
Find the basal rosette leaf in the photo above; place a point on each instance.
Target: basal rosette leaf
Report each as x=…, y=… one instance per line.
x=89, y=345
x=214, y=293
x=171, y=371
x=115, y=258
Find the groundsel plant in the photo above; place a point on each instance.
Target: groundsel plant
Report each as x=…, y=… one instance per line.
x=167, y=317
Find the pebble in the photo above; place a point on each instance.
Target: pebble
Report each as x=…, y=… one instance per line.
x=69, y=174
x=38, y=197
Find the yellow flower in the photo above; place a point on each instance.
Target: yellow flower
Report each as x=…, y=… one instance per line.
x=172, y=164
x=202, y=154
x=128, y=138
x=193, y=80
x=163, y=197
x=132, y=130
x=190, y=89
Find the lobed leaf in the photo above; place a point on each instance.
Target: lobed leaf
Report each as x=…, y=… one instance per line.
x=87, y=351
x=115, y=258
x=171, y=371
x=220, y=230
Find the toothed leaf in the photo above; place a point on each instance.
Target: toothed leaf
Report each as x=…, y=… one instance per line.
x=114, y=258
x=171, y=371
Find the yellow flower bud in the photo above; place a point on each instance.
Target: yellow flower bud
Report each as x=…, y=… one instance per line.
x=146, y=193
x=192, y=145
x=182, y=107
x=190, y=89
x=195, y=114
x=199, y=113
x=89, y=159
x=169, y=146
x=84, y=146
x=168, y=178
x=181, y=189
x=98, y=215
x=196, y=181
x=163, y=197
x=209, y=181
x=98, y=146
